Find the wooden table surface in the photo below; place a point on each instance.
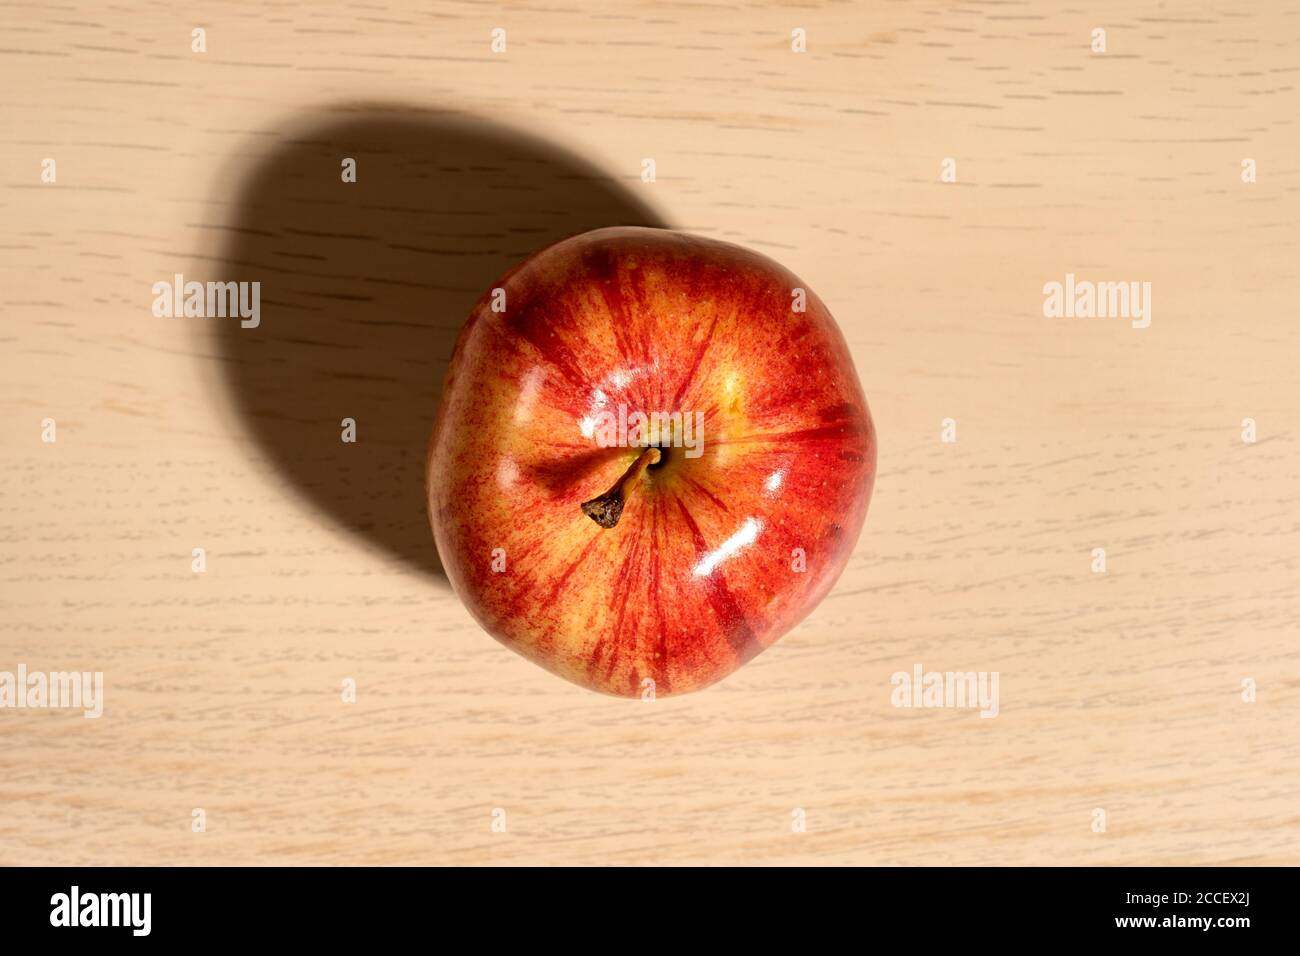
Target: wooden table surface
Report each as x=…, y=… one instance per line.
x=1120, y=691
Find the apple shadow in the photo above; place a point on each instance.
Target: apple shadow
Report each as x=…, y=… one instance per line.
x=365, y=286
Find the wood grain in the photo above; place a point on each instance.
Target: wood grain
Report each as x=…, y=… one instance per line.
x=1119, y=691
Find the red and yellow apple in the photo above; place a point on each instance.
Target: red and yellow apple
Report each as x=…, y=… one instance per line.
x=617, y=555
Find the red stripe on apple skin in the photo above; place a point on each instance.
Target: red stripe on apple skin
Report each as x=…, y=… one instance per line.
x=844, y=430
x=570, y=468
x=556, y=353
x=616, y=286
x=613, y=644
x=695, y=365
x=744, y=642
x=722, y=505
x=658, y=661
x=607, y=644
x=547, y=637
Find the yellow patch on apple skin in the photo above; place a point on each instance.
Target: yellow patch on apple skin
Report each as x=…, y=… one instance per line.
x=733, y=394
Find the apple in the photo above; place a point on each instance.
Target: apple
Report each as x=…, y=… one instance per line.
x=652, y=458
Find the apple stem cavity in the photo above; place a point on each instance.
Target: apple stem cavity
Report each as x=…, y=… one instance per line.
x=608, y=508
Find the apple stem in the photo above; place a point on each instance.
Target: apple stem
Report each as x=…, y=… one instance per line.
x=608, y=508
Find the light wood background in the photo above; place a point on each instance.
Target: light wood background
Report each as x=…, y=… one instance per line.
x=1119, y=691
